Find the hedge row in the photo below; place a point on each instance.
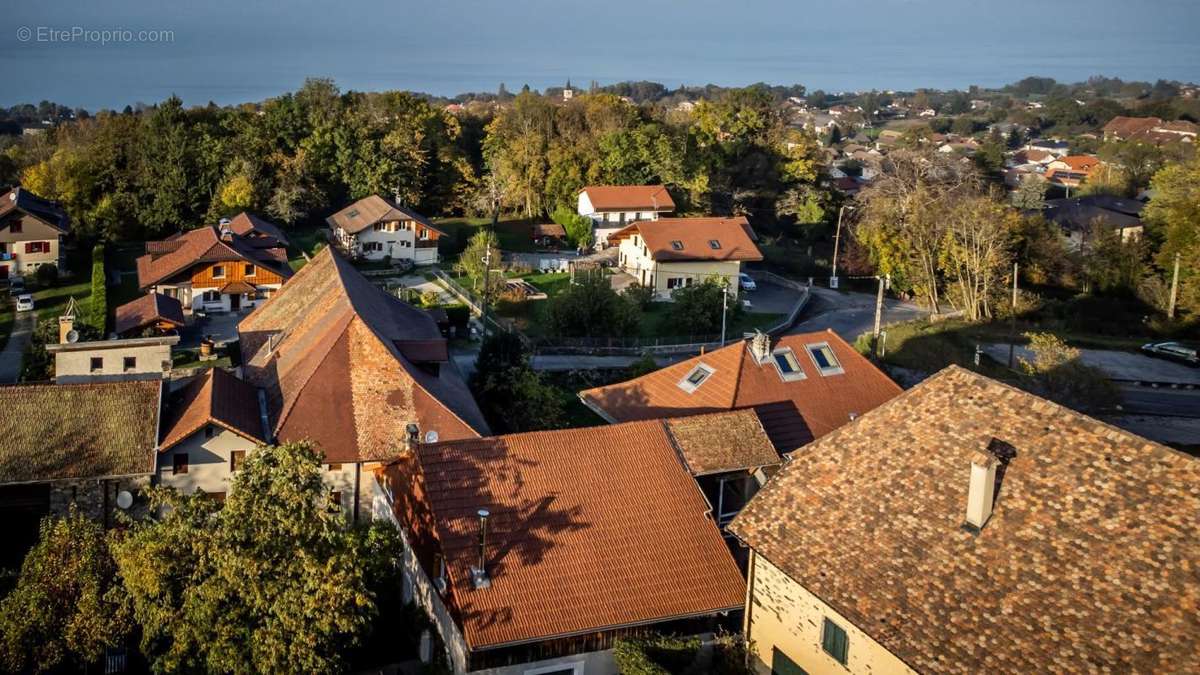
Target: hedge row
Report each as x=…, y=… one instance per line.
x=98, y=315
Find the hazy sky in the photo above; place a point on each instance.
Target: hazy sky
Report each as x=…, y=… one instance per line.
x=238, y=50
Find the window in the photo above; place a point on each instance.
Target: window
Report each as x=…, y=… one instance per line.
x=557, y=669
x=37, y=247
x=15, y=227
x=236, y=458
x=352, y=213
x=787, y=365
x=674, y=282
x=677, y=245
x=97, y=364
x=424, y=234
x=179, y=464
x=826, y=361
x=335, y=500
x=211, y=296
x=834, y=641
x=714, y=244
x=209, y=431
x=218, y=271
x=782, y=665
x=129, y=363
x=335, y=467
x=696, y=377
x=248, y=270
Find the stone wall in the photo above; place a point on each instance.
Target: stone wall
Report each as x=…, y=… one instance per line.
x=97, y=498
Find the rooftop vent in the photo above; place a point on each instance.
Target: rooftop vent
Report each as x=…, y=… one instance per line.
x=760, y=346
x=981, y=489
x=412, y=436
x=479, y=575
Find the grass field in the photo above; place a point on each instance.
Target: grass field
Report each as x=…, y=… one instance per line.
x=513, y=234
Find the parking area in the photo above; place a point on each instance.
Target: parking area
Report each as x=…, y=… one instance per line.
x=771, y=298
x=222, y=328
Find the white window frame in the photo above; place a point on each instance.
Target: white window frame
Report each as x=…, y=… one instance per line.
x=685, y=383
x=835, y=369
x=214, y=271
x=788, y=377
x=575, y=666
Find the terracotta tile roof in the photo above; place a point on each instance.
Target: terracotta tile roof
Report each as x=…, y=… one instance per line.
x=249, y=225
x=1125, y=127
x=20, y=199
x=590, y=529
x=150, y=309
x=237, y=287
x=677, y=239
x=1088, y=563
x=1034, y=155
x=334, y=373
x=721, y=442
x=69, y=431
x=793, y=413
x=1079, y=163
x=177, y=255
x=630, y=198
x=374, y=209
x=214, y=397
x=548, y=230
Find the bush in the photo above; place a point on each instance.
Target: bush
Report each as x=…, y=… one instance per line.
x=46, y=275
x=98, y=316
x=641, y=296
x=579, y=228
x=38, y=366
x=657, y=655
x=1060, y=376
x=697, y=309
x=459, y=317
x=591, y=308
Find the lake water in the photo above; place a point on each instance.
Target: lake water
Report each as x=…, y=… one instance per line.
x=232, y=51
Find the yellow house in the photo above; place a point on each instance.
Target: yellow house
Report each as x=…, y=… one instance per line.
x=671, y=253
x=966, y=526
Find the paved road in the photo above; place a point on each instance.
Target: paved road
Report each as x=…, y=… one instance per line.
x=851, y=314
x=1117, y=365
x=1160, y=401
x=18, y=342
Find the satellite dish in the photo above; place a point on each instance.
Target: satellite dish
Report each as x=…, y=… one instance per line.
x=431, y=437
x=72, y=336
x=124, y=499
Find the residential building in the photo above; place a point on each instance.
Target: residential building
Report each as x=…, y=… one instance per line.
x=801, y=386
x=346, y=365
x=612, y=207
x=375, y=228
x=138, y=358
x=1150, y=130
x=259, y=232
x=533, y=552
x=32, y=231
x=1079, y=215
x=214, y=269
x=967, y=526
x=671, y=253
x=1071, y=170
x=152, y=313
x=87, y=445
x=1054, y=147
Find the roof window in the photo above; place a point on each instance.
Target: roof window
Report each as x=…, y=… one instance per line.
x=714, y=244
x=696, y=377
x=677, y=245
x=352, y=213
x=824, y=358
x=787, y=365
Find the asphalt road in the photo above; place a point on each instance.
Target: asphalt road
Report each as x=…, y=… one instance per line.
x=1160, y=401
x=851, y=314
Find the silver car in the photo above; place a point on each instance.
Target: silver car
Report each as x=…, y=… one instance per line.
x=1175, y=351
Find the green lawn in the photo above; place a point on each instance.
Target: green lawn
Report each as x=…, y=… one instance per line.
x=49, y=303
x=656, y=323
x=513, y=233
x=305, y=239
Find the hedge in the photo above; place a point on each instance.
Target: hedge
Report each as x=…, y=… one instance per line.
x=98, y=315
x=658, y=655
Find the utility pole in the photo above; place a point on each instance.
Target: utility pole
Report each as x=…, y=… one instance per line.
x=879, y=310
x=1012, y=325
x=833, y=277
x=487, y=277
x=724, y=307
x=1174, y=290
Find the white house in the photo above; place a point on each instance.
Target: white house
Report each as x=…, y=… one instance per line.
x=612, y=207
x=374, y=228
x=671, y=253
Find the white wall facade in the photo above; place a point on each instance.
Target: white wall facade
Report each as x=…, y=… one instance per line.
x=150, y=362
x=397, y=240
x=607, y=223
x=665, y=277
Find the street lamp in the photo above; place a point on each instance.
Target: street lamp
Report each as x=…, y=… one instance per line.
x=837, y=237
x=724, y=306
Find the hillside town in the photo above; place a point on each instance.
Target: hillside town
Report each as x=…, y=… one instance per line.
x=615, y=379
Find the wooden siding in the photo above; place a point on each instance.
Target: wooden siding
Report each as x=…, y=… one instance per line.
x=202, y=275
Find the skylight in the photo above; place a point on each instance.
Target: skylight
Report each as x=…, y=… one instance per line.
x=696, y=377
x=677, y=245
x=787, y=365
x=714, y=244
x=352, y=213
x=824, y=358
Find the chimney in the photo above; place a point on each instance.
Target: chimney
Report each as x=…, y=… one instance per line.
x=412, y=437
x=981, y=489
x=760, y=346
x=479, y=576
x=66, y=326
x=225, y=231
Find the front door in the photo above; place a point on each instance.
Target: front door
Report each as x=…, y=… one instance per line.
x=235, y=301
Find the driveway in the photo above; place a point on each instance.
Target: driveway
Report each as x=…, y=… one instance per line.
x=1117, y=365
x=222, y=328
x=14, y=349
x=771, y=298
x=851, y=314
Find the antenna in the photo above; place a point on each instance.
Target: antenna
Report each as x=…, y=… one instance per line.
x=72, y=336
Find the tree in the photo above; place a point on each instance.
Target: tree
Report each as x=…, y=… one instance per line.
x=591, y=308
x=976, y=252
x=1030, y=194
x=276, y=580
x=579, y=228
x=1111, y=263
x=1058, y=374
x=473, y=261
x=67, y=606
x=697, y=309
x=1174, y=214
x=98, y=301
x=512, y=395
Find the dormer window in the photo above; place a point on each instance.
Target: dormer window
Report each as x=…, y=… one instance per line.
x=352, y=213
x=714, y=244
x=787, y=365
x=824, y=358
x=677, y=245
x=696, y=377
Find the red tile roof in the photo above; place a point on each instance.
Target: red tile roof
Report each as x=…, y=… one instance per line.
x=150, y=309
x=249, y=225
x=327, y=350
x=374, y=209
x=1126, y=127
x=793, y=413
x=1088, y=563
x=590, y=529
x=213, y=397
x=694, y=236
x=630, y=198
x=171, y=257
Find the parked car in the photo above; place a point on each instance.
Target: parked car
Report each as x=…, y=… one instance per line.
x=1174, y=351
x=746, y=282
x=24, y=303
x=16, y=286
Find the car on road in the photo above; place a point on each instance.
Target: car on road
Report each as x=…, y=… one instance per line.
x=24, y=303
x=1175, y=351
x=746, y=283
x=16, y=286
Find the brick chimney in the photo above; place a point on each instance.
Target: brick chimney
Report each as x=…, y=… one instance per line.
x=981, y=489
x=226, y=232
x=760, y=346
